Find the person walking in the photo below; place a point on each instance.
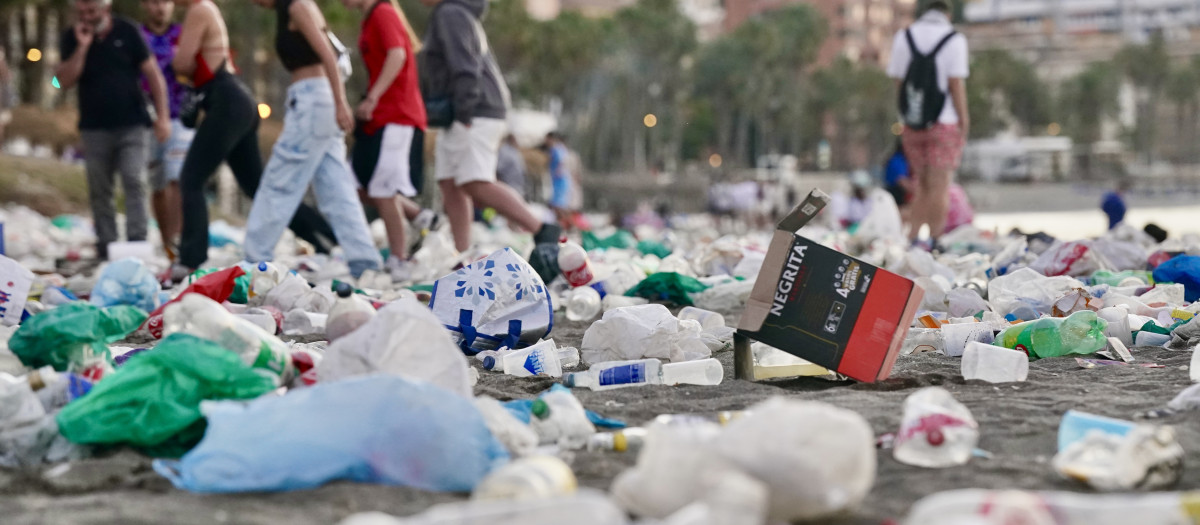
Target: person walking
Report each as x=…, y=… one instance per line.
x=510, y=165
x=311, y=148
x=166, y=159
x=106, y=56
x=468, y=100
x=929, y=63
x=228, y=133
x=389, y=144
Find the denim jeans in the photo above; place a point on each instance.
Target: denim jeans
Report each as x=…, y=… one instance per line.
x=311, y=150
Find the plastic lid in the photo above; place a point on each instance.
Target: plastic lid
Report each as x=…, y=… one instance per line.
x=540, y=409
x=569, y=381
x=262, y=266
x=620, y=444
x=344, y=290
x=489, y=362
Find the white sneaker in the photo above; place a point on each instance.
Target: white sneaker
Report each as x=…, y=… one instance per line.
x=401, y=271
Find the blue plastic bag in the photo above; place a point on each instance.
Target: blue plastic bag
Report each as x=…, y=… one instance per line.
x=127, y=281
x=1184, y=270
x=376, y=429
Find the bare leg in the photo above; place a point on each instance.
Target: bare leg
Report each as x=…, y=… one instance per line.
x=458, y=209
x=410, y=208
x=918, y=205
x=393, y=218
x=936, y=189
x=505, y=200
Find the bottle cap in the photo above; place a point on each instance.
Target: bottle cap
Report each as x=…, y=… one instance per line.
x=620, y=444
x=540, y=409
x=344, y=290
x=262, y=266
x=569, y=381
x=489, y=362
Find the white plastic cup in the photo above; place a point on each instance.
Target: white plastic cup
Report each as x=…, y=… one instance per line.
x=707, y=319
x=957, y=336
x=994, y=364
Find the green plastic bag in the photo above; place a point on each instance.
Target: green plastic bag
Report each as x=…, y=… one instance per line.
x=653, y=248
x=621, y=240
x=667, y=286
x=75, y=332
x=241, y=285
x=1115, y=278
x=153, y=401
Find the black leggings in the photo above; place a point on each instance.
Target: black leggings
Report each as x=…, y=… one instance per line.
x=229, y=133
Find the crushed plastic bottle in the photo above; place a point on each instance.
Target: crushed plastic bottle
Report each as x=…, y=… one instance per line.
x=349, y=312
x=936, y=430
x=202, y=317
x=583, y=304
x=574, y=264
x=1081, y=333
x=533, y=477
x=540, y=359
x=620, y=374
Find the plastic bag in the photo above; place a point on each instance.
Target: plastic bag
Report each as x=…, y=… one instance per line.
x=377, y=429
x=403, y=339
x=15, y=282
x=1184, y=270
x=73, y=334
x=153, y=401
x=649, y=247
x=637, y=332
x=494, y=302
x=669, y=287
x=217, y=286
x=127, y=281
x=883, y=221
x=1071, y=258
x=241, y=285
x=1028, y=288
x=621, y=239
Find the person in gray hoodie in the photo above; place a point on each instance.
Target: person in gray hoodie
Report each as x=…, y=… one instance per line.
x=467, y=99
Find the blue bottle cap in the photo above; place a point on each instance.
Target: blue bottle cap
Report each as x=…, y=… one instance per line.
x=569, y=381
x=262, y=266
x=489, y=362
x=344, y=290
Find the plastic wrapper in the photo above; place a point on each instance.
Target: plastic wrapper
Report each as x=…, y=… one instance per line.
x=127, y=281
x=153, y=401
x=75, y=334
x=494, y=302
x=377, y=429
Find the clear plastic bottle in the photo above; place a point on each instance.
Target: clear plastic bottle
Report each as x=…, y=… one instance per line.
x=527, y=478
x=620, y=374
x=568, y=357
x=540, y=359
x=348, y=313
x=574, y=264
x=628, y=439
x=200, y=316
x=263, y=277
x=1081, y=333
x=583, y=304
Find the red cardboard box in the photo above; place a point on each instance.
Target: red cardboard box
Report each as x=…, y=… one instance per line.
x=825, y=306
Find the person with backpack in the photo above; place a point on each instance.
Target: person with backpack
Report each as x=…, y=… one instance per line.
x=929, y=63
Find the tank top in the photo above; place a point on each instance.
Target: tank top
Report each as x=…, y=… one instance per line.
x=293, y=49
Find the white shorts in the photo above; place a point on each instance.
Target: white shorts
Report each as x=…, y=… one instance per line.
x=392, y=168
x=469, y=154
x=166, y=159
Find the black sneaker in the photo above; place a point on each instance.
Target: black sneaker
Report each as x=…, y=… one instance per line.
x=548, y=233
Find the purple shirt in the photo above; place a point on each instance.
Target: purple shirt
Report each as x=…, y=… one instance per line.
x=163, y=47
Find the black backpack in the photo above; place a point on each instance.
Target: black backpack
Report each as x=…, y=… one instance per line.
x=921, y=100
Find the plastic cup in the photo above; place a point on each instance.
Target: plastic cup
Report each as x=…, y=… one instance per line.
x=1075, y=425
x=957, y=336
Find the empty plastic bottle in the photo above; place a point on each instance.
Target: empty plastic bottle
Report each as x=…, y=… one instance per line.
x=540, y=359
x=619, y=374
x=202, y=317
x=263, y=277
x=583, y=303
x=568, y=357
x=348, y=313
x=531, y=477
x=574, y=264
x=1081, y=333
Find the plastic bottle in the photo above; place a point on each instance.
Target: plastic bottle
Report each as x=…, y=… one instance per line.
x=559, y=418
x=300, y=322
x=540, y=359
x=263, y=277
x=619, y=374
x=574, y=265
x=1081, y=333
x=348, y=313
x=568, y=357
x=1000, y=507
x=200, y=316
x=628, y=439
x=583, y=304
x=708, y=319
x=527, y=478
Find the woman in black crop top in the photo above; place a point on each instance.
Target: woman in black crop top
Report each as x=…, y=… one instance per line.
x=311, y=149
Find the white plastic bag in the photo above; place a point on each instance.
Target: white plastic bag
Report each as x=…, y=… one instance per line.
x=494, y=302
x=638, y=332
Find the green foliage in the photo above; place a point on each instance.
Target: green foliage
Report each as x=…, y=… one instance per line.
x=1087, y=99
x=1004, y=90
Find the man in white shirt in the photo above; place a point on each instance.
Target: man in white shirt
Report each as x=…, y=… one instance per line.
x=934, y=152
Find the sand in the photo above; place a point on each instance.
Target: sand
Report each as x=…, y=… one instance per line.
x=1018, y=425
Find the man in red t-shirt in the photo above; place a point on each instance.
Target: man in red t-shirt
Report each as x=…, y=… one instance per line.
x=389, y=147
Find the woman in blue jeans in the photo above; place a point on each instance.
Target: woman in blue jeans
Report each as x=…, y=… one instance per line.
x=311, y=149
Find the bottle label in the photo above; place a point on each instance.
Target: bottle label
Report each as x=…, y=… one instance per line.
x=268, y=359
x=624, y=375
x=579, y=276
x=533, y=364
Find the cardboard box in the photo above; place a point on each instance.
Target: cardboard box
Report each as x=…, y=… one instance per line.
x=825, y=306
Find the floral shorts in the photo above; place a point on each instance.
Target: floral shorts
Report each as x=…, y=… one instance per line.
x=938, y=147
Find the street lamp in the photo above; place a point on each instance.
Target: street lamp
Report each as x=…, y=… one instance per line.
x=650, y=120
